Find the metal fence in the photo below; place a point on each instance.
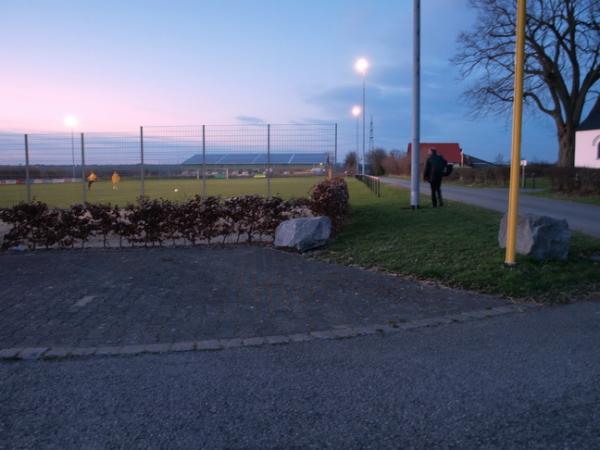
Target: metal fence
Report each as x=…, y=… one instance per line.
x=169, y=162
x=373, y=183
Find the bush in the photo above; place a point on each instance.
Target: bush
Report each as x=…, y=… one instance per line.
x=330, y=198
x=151, y=222
x=578, y=181
x=487, y=176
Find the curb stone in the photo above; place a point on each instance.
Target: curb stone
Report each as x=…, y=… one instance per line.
x=337, y=332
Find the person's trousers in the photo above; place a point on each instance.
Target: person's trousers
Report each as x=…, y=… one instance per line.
x=436, y=192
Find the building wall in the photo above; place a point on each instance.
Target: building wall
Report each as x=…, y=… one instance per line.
x=587, y=146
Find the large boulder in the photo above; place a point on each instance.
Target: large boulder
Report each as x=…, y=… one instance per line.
x=540, y=237
x=304, y=233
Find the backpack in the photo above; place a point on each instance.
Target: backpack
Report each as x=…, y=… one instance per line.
x=448, y=169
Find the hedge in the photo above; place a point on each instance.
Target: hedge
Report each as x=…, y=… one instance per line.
x=155, y=221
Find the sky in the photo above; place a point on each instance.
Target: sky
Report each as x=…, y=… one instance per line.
x=117, y=65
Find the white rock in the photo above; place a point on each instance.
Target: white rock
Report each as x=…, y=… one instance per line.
x=540, y=237
x=303, y=233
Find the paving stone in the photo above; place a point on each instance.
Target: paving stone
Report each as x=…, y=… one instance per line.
x=411, y=325
x=277, y=340
x=157, y=348
x=443, y=320
x=231, y=343
x=83, y=351
x=322, y=334
x=365, y=330
x=300, y=337
x=132, y=349
x=506, y=310
x=211, y=344
x=250, y=342
x=385, y=329
x=32, y=352
x=57, y=353
x=9, y=353
x=101, y=351
x=479, y=314
x=344, y=333
x=183, y=346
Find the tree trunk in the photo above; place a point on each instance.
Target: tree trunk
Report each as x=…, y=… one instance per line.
x=566, y=143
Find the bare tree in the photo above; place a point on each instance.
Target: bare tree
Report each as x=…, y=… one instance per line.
x=499, y=160
x=562, y=61
x=375, y=160
x=351, y=161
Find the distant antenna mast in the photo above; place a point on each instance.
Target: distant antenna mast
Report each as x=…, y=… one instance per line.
x=371, y=138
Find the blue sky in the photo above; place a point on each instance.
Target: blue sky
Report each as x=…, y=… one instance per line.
x=120, y=64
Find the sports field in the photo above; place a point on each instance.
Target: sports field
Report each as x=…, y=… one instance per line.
x=62, y=195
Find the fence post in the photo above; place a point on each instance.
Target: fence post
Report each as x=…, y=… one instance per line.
x=27, y=181
x=335, y=149
x=83, y=170
x=203, y=161
x=142, y=190
x=268, y=160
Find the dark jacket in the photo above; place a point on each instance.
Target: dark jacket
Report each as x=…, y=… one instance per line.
x=435, y=167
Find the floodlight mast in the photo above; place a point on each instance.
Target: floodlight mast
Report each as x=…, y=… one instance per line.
x=361, y=66
x=416, y=120
x=356, y=110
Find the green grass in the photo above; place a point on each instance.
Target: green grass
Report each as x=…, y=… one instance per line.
x=543, y=184
x=62, y=195
x=587, y=199
x=456, y=246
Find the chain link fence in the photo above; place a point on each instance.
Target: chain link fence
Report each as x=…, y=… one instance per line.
x=165, y=162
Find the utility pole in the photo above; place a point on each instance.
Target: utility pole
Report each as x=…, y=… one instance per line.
x=371, y=138
x=416, y=119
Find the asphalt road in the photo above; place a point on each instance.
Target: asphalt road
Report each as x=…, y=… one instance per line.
x=581, y=217
x=526, y=381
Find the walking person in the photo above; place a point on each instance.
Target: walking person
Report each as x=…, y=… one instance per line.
x=115, y=180
x=92, y=177
x=435, y=169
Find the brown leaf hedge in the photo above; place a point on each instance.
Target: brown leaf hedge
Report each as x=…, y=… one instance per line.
x=152, y=222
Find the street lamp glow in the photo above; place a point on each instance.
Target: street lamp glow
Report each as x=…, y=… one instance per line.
x=361, y=66
x=71, y=121
x=356, y=110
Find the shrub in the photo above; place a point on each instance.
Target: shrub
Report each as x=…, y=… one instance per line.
x=330, y=198
x=579, y=180
x=486, y=176
x=151, y=222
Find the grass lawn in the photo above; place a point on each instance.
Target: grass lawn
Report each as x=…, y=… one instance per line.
x=543, y=184
x=66, y=194
x=589, y=199
x=456, y=246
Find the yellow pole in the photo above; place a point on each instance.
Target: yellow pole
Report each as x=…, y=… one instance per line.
x=513, y=195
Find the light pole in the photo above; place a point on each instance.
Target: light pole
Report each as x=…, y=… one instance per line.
x=71, y=122
x=361, y=66
x=356, y=110
x=416, y=107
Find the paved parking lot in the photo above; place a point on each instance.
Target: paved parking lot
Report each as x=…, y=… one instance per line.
x=93, y=297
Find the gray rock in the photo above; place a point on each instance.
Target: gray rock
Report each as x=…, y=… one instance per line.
x=540, y=237
x=304, y=233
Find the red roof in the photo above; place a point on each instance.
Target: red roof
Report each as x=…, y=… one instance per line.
x=449, y=150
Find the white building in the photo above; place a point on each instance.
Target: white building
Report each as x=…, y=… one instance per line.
x=587, y=140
